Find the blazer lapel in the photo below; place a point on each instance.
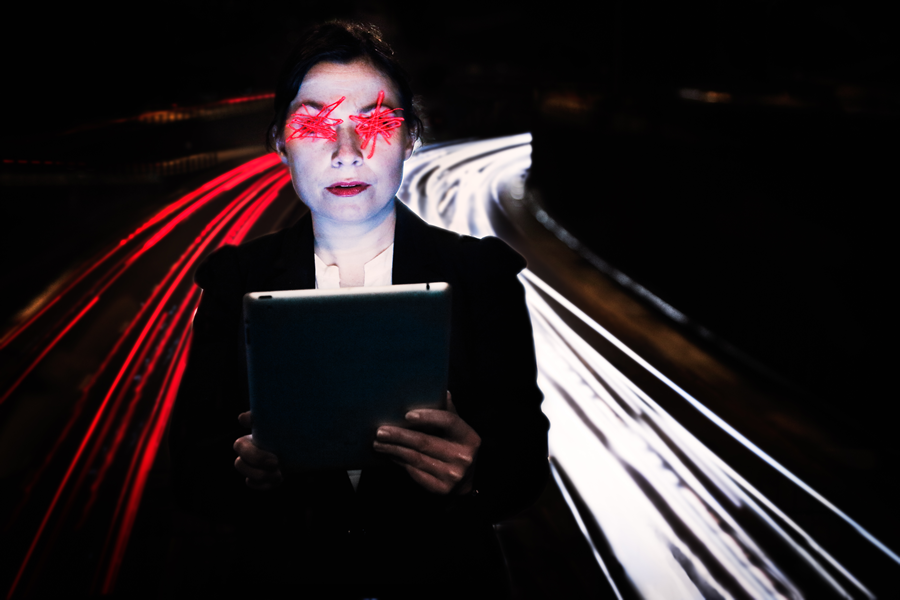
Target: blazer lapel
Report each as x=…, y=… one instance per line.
x=416, y=258
x=294, y=266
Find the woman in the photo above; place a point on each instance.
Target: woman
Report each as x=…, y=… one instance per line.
x=345, y=123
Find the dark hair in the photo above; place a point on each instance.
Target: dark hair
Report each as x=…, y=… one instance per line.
x=339, y=42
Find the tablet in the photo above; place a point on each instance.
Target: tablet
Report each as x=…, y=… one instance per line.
x=326, y=368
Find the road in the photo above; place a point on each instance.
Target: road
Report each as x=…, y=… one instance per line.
x=655, y=495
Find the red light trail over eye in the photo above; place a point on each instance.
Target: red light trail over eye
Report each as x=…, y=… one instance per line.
x=317, y=126
x=368, y=127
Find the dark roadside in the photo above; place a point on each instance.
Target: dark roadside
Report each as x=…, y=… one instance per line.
x=68, y=196
x=745, y=233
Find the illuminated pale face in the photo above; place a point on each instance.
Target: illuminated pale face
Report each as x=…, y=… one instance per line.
x=333, y=174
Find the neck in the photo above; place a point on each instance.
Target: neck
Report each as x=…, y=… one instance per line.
x=354, y=243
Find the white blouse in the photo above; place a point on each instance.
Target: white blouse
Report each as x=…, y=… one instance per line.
x=377, y=272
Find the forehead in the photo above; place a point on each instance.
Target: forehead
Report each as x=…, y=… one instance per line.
x=359, y=81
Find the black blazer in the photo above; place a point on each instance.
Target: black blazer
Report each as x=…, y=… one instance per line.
x=492, y=379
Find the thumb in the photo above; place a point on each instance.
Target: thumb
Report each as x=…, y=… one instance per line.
x=450, y=406
x=245, y=419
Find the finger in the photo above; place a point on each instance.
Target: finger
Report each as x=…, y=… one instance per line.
x=445, y=470
x=408, y=456
x=428, y=481
x=254, y=474
x=245, y=419
x=450, y=406
x=449, y=423
x=451, y=472
x=255, y=456
x=430, y=445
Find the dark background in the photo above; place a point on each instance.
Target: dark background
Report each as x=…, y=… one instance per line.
x=762, y=216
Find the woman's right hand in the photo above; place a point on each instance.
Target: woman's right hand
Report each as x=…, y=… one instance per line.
x=260, y=468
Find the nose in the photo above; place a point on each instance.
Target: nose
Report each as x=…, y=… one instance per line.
x=347, y=151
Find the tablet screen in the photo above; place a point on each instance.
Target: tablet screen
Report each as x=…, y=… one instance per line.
x=326, y=368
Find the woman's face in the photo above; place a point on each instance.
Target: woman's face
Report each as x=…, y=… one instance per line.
x=334, y=176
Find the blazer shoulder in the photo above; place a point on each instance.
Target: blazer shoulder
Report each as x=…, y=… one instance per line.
x=217, y=267
x=469, y=255
x=229, y=266
x=488, y=257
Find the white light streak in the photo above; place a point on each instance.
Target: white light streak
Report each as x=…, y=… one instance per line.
x=672, y=511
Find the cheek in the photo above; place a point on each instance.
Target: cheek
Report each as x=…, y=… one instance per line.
x=297, y=183
x=302, y=154
x=300, y=164
x=390, y=174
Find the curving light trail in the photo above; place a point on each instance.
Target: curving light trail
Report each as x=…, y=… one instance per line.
x=676, y=517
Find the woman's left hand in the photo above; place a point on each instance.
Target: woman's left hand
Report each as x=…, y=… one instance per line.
x=442, y=462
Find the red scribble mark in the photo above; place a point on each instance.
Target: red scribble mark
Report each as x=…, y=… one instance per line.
x=317, y=126
x=369, y=126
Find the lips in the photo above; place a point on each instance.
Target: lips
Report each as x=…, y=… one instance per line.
x=347, y=188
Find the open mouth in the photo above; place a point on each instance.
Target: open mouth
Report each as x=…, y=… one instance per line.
x=347, y=188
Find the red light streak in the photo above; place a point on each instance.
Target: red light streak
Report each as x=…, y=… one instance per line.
x=144, y=343
x=237, y=235
x=317, y=126
x=48, y=348
x=242, y=176
x=134, y=490
x=186, y=262
x=144, y=457
x=246, y=99
x=368, y=127
x=119, y=268
x=224, y=182
x=157, y=422
x=111, y=451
